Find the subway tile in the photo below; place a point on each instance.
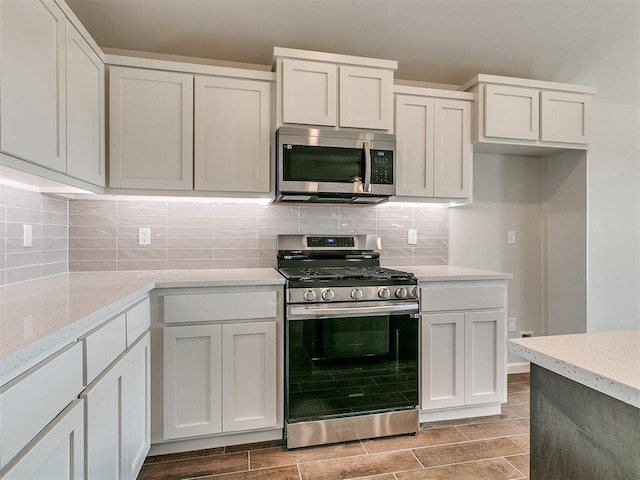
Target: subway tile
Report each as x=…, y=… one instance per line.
x=193, y=242
x=54, y=256
x=235, y=222
x=97, y=243
x=189, y=209
x=22, y=198
x=141, y=208
x=49, y=269
x=394, y=212
x=319, y=212
x=93, y=255
x=189, y=264
x=55, y=218
x=93, y=207
x=234, y=231
x=274, y=231
x=89, y=232
x=240, y=242
x=266, y=263
x=228, y=253
x=430, y=224
x=92, y=266
x=23, y=259
x=278, y=222
x=22, y=274
x=142, y=221
x=60, y=231
x=197, y=231
x=55, y=243
x=187, y=221
x=395, y=223
x=23, y=215
x=189, y=253
x=14, y=245
x=14, y=230
x=357, y=213
x=51, y=203
x=127, y=265
x=320, y=225
x=235, y=262
x=227, y=210
x=142, y=253
x=278, y=211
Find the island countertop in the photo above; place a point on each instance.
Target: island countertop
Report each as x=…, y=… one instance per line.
x=608, y=362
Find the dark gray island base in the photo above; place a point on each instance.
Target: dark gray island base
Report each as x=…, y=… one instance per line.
x=578, y=433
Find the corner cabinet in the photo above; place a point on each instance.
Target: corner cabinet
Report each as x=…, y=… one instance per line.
x=221, y=362
x=173, y=130
x=434, y=151
x=51, y=94
x=316, y=88
x=530, y=113
x=463, y=348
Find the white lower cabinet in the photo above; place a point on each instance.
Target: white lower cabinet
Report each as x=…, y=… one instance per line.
x=57, y=451
x=463, y=344
x=219, y=378
x=117, y=415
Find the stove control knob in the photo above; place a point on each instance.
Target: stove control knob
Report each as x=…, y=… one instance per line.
x=384, y=293
x=309, y=295
x=356, y=294
x=328, y=295
x=401, y=292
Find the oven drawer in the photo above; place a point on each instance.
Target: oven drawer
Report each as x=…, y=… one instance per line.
x=438, y=297
x=212, y=307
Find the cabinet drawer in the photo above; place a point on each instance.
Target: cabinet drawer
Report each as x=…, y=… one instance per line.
x=208, y=307
x=439, y=297
x=138, y=321
x=102, y=346
x=32, y=400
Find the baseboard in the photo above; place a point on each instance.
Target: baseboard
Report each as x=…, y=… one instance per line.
x=517, y=367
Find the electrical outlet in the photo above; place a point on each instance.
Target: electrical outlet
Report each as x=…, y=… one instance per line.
x=412, y=236
x=144, y=236
x=511, y=237
x=513, y=325
x=27, y=235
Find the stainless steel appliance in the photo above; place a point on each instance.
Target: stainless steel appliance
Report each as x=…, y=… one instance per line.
x=351, y=348
x=331, y=166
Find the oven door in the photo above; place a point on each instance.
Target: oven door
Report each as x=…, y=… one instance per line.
x=351, y=364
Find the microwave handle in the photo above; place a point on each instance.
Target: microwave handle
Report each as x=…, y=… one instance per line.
x=367, y=167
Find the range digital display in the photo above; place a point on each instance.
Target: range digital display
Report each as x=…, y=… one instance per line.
x=330, y=242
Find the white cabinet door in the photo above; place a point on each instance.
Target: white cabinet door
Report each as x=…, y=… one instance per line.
x=366, y=97
x=433, y=141
x=249, y=376
x=309, y=92
x=453, y=154
x=85, y=110
x=192, y=379
x=136, y=408
x=232, y=135
x=512, y=112
x=414, y=145
x=485, y=357
x=442, y=360
x=565, y=117
x=57, y=452
x=151, y=129
x=32, y=82
x=104, y=405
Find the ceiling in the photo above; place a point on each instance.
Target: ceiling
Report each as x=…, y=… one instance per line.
x=596, y=42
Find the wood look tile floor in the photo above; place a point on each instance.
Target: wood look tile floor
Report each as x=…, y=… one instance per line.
x=485, y=448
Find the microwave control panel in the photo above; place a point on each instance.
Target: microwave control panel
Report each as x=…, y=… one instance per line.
x=382, y=167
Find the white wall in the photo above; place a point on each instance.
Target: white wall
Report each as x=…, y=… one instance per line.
x=508, y=195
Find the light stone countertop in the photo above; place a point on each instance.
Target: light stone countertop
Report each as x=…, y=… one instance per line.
x=608, y=362
x=452, y=273
x=39, y=316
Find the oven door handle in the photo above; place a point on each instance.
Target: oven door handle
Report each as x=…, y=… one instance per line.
x=310, y=312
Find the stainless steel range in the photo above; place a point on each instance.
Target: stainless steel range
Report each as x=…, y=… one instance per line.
x=351, y=361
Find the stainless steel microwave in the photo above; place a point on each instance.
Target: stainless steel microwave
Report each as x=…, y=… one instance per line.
x=331, y=166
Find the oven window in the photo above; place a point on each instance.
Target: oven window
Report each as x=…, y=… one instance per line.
x=348, y=366
x=322, y=164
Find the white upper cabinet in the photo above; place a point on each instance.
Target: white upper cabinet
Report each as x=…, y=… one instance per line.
x=566, y=117
x=512, y=112
x=85, y=110
x=309, y=93
x=366, y=97
x=52, y=94
x=433, y=135
x=151, y=129
x=316, y=88
x=32, y=82
x=514, y=115
x=232, y=134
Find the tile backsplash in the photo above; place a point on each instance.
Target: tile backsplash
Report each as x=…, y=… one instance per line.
x=49, y=220
x=187, y=234
x=102, y=234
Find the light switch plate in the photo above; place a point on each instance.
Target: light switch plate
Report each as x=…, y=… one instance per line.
x=412, y=236
x=511, y=237
x=27, y=235
x=513, y=325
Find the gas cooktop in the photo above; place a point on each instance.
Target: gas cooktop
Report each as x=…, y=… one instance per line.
x=343, y=273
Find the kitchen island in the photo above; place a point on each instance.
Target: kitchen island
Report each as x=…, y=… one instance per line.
x=585, y=404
